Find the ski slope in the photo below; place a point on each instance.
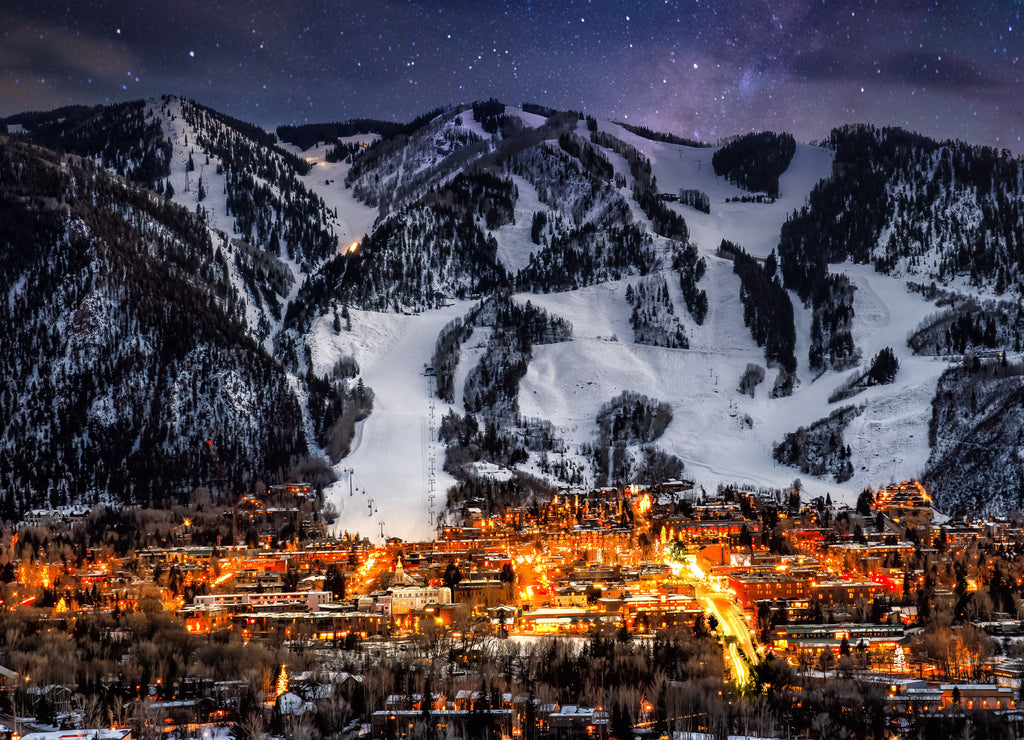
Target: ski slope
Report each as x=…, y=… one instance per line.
x=390, y=458
x=754, y=226
x=327, y=179
x=722, y=435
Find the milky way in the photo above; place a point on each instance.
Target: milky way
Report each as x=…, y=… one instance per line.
x=703, y=70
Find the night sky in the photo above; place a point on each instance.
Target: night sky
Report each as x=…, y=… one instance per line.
x=698, y=69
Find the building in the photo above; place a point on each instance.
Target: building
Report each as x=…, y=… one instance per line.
x=313, y=600
x=870, y=645
x=98, y=734
x=906, y=503
x=415, y=598
x=8, y=680
x=951, y=698
x=753, y=587
x=446, y=722
x=204, y=618
x=573, y=721
x=832, y=593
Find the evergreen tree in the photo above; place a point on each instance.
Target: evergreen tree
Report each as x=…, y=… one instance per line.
x=884, y=367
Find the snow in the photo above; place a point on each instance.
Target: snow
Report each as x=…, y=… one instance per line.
x=491, y=471
x=532, y=120
x=186, y=193
x=186, y=190
x=754, y=226
x=475, y=126
x=568, y=382
x=17, y=288
x=103, y=410
x=391, y=456
x=327, y=179
x=723, y=436
x=890, y=440
x=514, y=243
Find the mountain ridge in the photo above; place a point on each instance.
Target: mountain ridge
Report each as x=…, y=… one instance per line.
x=566, y=213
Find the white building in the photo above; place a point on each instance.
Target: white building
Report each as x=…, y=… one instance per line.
x=411, y=598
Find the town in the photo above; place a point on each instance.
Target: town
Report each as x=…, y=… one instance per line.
x=643, y=611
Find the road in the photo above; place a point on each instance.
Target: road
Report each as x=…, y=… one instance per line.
x=741, y=651
x=731, y=624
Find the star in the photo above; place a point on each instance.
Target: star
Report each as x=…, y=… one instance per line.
x=788, y=63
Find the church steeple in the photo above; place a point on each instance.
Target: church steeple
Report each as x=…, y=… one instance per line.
x=399, y=572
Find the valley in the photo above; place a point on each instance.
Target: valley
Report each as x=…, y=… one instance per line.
x=501, y=399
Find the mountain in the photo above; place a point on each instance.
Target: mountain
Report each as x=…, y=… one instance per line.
x=125, y=344
x=504, y=292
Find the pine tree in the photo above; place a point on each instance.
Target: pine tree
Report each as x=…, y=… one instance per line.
x=884, y=367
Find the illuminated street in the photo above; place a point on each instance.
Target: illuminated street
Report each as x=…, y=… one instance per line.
x=735, y=633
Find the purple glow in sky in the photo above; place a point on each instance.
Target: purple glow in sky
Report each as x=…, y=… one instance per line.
x=698, y=69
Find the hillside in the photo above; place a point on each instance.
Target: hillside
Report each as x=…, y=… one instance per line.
x=125, y=344
x=976, y=439
x=549, y=265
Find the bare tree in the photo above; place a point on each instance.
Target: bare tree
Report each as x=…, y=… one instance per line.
x=92, y=710
x=826, y=661
x=251, y=726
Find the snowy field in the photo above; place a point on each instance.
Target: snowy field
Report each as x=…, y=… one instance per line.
x=327, y=179
x=567, y=383
x=754, y=226
x=392, y=450
x=722, y=435
x=514, y=243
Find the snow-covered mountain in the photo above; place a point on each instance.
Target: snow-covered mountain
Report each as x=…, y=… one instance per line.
x=125, y=345
x=457, y=306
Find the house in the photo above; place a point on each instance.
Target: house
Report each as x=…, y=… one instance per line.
x=290, y=704
x=575, y=721
x=953, y=699
x=453, y=722
x=60, y=698
x=124, y=733
x=8, y=680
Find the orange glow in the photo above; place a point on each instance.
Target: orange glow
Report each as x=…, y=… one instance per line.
x=282, y=682
x=223, y=577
